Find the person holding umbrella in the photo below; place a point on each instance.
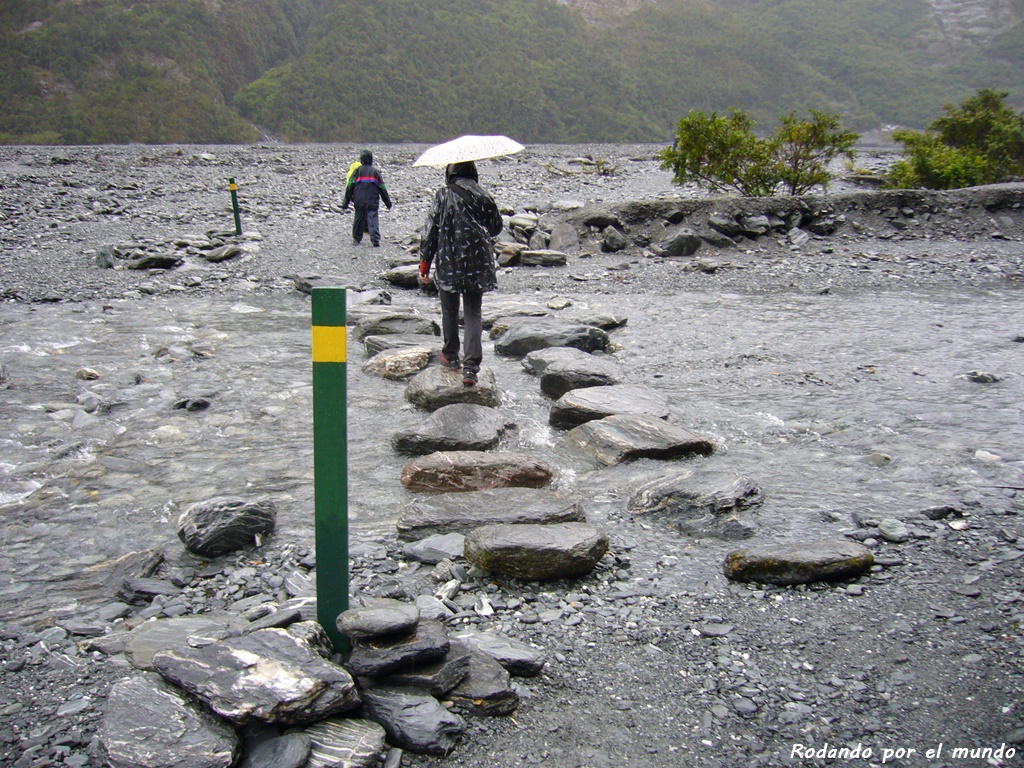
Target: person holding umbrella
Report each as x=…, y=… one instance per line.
x=457, y=240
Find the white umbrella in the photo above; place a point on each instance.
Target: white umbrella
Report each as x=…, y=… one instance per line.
x=466, y=148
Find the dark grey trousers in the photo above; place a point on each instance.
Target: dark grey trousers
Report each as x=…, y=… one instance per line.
x=472, y=347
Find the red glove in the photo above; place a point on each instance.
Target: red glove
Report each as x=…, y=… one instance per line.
x=424, y=271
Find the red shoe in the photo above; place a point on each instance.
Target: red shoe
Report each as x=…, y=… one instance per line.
x=469, y=379
x=454, y=364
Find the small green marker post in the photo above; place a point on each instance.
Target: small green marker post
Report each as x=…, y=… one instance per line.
x=234, y=205
x=330, y=459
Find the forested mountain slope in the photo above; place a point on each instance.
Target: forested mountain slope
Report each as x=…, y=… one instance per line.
x=109, y=71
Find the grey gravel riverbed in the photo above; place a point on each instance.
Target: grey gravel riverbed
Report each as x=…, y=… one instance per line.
x=872, y=375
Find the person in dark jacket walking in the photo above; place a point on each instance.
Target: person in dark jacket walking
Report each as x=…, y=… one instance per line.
x=457, y=239
x=365, y=189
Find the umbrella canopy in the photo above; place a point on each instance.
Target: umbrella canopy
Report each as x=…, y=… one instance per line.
x=467, y=148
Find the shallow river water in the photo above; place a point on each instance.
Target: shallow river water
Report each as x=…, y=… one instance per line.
x=832, y=403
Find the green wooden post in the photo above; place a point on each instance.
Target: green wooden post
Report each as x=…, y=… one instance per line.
x=330, y=459
x=234, y=205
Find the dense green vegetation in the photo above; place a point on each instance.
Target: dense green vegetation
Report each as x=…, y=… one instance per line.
x=721, y=152
x=981, y=141
x=93, y=71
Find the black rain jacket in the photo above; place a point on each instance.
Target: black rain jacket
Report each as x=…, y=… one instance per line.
x=458, y=237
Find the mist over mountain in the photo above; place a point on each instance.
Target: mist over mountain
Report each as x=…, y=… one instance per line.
x=224, y=71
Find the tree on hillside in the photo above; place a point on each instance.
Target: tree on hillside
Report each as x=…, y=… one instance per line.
x=722, y=153
x=979, y=142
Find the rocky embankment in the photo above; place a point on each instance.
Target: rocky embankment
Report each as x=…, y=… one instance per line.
x=506, y=618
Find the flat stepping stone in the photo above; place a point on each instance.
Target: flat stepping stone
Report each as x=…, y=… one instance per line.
x=462, y=512
x=562, y=369
x=537, y=552
x=542, y=257
x=824, y=560
x=437, y=677
x=378, y=617
x=396, y=323
x=397, y=364
x=582, y=405
x=615, y=439
x=376, y=344
x=504, y=309
x=693, y=493
x=528, y=335
x=437, y=386
x=403, y=276
x=475, y=471
x=519, y=658
x=154, y=636
x=413, y=720
x=456, y=427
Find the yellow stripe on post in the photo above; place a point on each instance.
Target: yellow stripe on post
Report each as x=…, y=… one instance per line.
x=330, y=344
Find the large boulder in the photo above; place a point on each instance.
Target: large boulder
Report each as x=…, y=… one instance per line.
x=528, y=335
x=221, y=525
x=475, y=471
x=269, y=675
x=149, y=724
x=619, y=438
x=462, y=512
x=456, y=427
x=799, y=563
x=437, y=386
x=537, y=552
x=579, y=406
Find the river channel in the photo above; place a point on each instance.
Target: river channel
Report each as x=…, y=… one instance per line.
x=833, y=403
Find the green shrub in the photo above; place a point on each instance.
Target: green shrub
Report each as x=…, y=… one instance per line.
x=979, y=142
x=722, y=153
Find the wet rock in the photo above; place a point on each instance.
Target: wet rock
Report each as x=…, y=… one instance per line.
x=515, y=656
x=374, y=345
x=398, y=363
x=344, y=742
x=217, y=526
x=403, y=276
x=475, y=471
x=438, y=386
x=142, y=590
x=563, y=369
x=376, y=616
x=537, y=552
x=456, y=427
x=691, y=493
x=582, y=405
x=499, y=308
x=461, y=512
x=619, y=438
x=150, y=638
x=486, y=690
x=393, y=322
x=437, y=677
x=290, y=750
x=800, y=564
x=378, y=657
x=894, y=530
x=149, y=724
x=269, y=675
x=434, y=549
x=412, y=720
x=683, y=242
x=528, y=335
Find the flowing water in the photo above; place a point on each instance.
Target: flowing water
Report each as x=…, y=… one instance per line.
x=833, y=404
